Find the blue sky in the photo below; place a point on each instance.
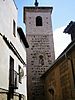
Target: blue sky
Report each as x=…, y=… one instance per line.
x=63, y=10
x=63, y=13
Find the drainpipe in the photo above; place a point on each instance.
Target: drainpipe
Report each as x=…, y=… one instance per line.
x=70, y=59
x=72, y=70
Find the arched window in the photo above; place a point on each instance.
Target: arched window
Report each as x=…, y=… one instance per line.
x=38, y=21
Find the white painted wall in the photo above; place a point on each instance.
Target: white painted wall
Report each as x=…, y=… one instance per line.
x=8, y=12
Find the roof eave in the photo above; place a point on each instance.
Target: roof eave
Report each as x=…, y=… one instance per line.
x=62, y=55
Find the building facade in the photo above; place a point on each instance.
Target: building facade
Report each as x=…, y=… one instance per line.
x=59, y=79
x=40, y=53
x=12, y=54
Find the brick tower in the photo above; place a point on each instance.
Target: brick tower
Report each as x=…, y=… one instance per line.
x=40, y=53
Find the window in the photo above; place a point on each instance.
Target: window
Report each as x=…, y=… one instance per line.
x=41, y=60
x=14, y=28
x=11, y=72
x=38, y=21
x=20, y=96
x=11, y=78
x=13, y=75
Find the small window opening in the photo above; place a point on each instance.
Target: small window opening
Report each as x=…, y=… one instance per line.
x=11, y=73
x=38, y=21
x=14, y=28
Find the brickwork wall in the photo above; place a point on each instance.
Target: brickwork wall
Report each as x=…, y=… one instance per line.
x=60, y=79
x=40, y=53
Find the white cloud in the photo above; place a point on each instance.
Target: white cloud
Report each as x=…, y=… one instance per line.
x=61, y=40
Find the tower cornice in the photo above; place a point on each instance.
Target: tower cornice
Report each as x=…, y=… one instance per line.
x=36, y=9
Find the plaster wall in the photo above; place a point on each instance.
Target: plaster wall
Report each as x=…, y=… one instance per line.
x=8, y=13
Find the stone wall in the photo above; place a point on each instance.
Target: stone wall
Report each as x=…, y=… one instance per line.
x=60, y=79
x=40, y=53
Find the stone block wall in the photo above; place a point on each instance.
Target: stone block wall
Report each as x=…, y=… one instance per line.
x=60, y=78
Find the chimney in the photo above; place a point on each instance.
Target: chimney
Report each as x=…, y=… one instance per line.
x=70, y=29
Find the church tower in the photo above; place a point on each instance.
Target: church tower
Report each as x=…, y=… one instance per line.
x=40, y=53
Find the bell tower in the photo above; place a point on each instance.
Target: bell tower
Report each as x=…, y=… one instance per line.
x=40, y=53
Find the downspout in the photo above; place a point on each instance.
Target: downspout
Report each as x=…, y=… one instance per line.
x=72, y=67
